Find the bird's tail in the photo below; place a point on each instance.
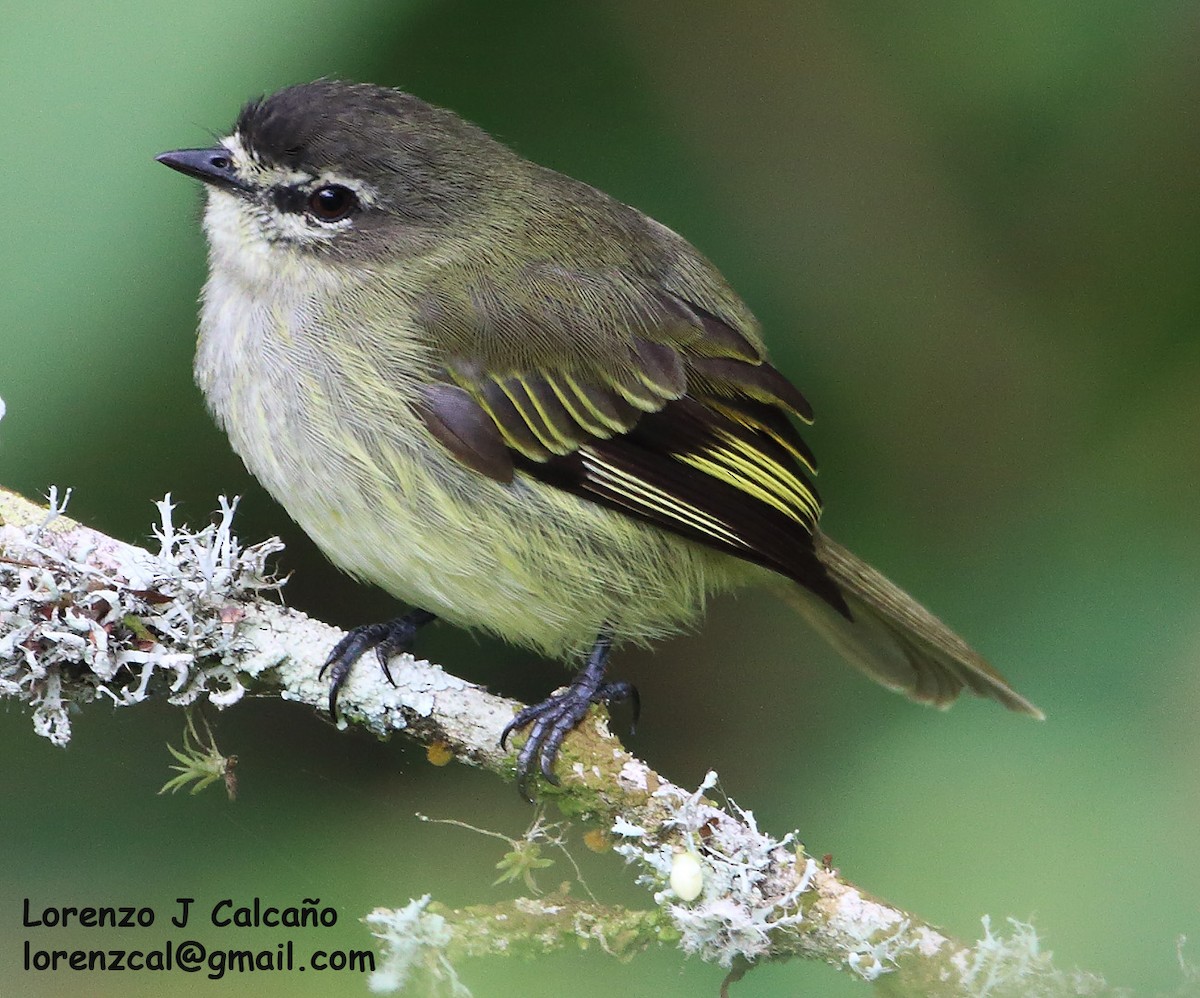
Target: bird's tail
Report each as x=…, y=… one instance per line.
x=895, y=640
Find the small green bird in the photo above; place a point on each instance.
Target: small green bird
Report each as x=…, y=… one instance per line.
x=515, y=403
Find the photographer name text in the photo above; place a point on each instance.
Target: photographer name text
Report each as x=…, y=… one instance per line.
x=226, y=913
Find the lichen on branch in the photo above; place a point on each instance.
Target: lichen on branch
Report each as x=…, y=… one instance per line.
x=84, y=616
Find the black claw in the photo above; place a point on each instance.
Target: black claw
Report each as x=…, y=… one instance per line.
x=388, y=639
x=555, y=717
x=384, y=655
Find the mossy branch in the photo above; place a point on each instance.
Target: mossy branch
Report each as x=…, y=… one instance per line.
x=83, y=615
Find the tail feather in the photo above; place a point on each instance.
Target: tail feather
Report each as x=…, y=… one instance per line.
x=895, y=640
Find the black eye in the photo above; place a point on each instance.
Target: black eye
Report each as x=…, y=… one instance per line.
x=331, y=203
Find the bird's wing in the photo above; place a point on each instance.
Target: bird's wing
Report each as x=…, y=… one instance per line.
x=667, y=413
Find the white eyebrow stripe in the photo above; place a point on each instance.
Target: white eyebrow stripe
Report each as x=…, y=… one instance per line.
x=252, y=168
x=255, y=171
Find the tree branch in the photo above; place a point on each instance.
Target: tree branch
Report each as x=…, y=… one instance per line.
x=83, y=615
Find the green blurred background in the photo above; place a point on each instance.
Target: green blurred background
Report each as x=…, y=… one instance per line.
x=972, y=232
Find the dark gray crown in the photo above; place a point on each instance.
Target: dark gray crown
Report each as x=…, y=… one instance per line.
x=358, y=127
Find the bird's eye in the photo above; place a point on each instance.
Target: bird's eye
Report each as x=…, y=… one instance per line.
x=331, y=203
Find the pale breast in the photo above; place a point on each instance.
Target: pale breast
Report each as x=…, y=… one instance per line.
x=316, y=401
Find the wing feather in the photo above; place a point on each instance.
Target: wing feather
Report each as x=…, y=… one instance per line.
x=611, y=360
x=653, y=398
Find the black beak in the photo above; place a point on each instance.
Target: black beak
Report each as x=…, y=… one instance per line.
x=213, y=166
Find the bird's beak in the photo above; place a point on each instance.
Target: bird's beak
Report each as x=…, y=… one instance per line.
x=213, y=166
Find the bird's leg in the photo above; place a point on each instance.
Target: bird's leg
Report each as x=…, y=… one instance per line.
x=388, y=639
x=559, y=713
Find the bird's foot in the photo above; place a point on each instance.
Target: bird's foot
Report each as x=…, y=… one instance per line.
x=390, y=638
x=551, y=720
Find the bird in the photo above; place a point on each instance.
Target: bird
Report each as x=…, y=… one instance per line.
x=515, y=404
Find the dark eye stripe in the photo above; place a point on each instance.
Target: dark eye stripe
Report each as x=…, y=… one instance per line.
x=327, y=203
x=290, y=199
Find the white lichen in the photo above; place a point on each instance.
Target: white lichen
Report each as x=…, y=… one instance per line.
x=626, y=828
x=413, y=942
x=77, y=626
x=742, y=900
x=633, y=774
x=999, y=967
